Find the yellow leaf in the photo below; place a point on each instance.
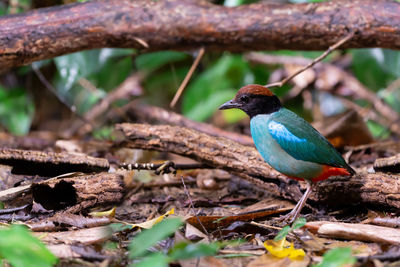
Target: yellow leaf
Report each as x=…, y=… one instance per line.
x=107, y=213
x=283, y=249
x=150, y=223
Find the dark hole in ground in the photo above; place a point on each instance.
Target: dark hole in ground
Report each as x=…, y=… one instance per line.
x=62, y=195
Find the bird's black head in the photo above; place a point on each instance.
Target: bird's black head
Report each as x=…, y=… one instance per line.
x=254, y=99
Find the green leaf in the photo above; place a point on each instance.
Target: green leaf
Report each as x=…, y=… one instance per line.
x=231, y=3
x=150, y=237
x=233, y=115
x=217, y=84
x=103, y=133
x=16, y=110
x=103, y=68
x=282, y=233
x=112, y=73
x=371, y=69
x=74, y=66
x=204, y=108
x=20, y=248
x=337, y=257
x=155, y=260
x=298, y=223
x=184, y=251
x=377, y=130
x=152, y=61
x=119, y=227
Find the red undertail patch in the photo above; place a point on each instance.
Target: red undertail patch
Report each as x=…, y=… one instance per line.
x=327, y=172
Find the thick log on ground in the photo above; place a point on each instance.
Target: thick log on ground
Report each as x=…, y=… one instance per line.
x=31, y=162
x=188, y=24
x=143, y=113
x=378, y=189
x=79, y=192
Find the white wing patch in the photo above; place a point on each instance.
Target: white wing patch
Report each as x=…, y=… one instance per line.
x=279, y=131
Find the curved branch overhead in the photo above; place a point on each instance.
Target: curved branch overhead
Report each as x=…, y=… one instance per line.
x=186, y=24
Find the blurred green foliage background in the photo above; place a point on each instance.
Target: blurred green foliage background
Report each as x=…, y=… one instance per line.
x=216, y=80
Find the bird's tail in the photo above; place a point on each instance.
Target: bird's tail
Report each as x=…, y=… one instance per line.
x=350, y=169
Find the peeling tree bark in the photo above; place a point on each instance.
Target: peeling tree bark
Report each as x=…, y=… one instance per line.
x=142, y=113
x=186, y=24
x=377, y=189
x=31, y=162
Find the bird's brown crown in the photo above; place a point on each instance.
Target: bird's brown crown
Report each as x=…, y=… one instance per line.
x=254, y=89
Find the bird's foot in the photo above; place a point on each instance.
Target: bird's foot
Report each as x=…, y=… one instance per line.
x=288, y=218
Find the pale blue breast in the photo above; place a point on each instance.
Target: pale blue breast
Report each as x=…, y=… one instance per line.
x=274, y=155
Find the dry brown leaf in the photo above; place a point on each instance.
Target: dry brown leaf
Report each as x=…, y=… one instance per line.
x=150, y=223
x=84, y=236
x=203, y=262
x=213, y=222
x=63, y=251
x=107, y=213
x=192, y=231
x=63, y=219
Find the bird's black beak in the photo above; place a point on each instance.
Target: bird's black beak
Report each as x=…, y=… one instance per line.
x=230, y=104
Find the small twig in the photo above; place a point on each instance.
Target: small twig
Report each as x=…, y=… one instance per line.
x=265, y=226
x=315, y=61
x=194, y=212
x=141, y=41
x=166, y=167
x=187, y=77
x=50, y=87
x=393, y=86
x=388, y=256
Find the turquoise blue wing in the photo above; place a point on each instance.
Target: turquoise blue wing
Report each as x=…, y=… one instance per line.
x=300, y=140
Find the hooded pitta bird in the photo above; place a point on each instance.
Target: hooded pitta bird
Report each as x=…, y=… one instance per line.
x=287, y=142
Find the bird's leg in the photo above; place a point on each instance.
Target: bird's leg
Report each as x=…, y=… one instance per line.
x=299, y=206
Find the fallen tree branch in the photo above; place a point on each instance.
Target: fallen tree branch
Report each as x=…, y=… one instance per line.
x=376, y=189
x=139, y=112
x=31, y=162
x=171, y=24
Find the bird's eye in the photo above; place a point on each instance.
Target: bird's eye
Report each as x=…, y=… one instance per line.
x=244, y=99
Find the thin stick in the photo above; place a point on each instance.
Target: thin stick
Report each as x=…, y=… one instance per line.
x=265, y=225
x=187, y=77
x=315, y=61
x=194, y=212
x=166, y=167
